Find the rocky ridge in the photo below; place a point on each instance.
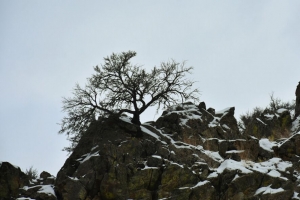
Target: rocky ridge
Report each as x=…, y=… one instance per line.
x=190, y=152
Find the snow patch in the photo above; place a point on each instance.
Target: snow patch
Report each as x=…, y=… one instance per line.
x=268, y=190
x=213, y=175
x=147, y=131
x=281, y=110
x=266, y=144
x=269, y=116
x=295, y=195
x=125, y=119
x=87, y=157
x=47, y=189
x=233, y=165
x=274, y=173
x=223, y=111
x=261, y=121
x=200, y=183
x=235, y=151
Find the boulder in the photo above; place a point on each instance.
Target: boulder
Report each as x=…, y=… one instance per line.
x=11, y=179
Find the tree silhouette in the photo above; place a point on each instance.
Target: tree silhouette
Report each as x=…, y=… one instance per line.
x=119, y=87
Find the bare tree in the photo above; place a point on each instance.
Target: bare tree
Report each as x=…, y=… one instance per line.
x=120, y=87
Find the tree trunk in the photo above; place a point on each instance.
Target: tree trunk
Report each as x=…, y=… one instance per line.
x=136, y=119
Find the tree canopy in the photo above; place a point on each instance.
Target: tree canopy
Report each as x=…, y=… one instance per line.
x=120, y=87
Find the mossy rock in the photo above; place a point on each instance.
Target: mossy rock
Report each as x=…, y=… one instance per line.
x=175, y=176
x=145, y=179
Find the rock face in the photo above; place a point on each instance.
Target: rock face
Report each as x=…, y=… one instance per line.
x=190, y=152
x=297, y=108
x=11, y=179
x=41, y=188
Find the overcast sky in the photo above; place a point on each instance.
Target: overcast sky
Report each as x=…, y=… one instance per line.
x=241, y=51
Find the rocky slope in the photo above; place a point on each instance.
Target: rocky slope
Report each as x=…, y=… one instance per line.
x=190, y=152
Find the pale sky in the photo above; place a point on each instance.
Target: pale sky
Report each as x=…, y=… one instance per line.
x=241, y=51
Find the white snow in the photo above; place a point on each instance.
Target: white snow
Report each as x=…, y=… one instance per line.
x=200, y=184
x=156, y=156
x=147, y=131
x=261, y=121
x=281, y=110
x=214, y=155
x=73, y=178
x=281, y=166
x=272, y=166
x=269, y=116
x=95, y=147
x=266, y=144
x=225, y=126
x=268, y=190
x=125, y=119
x=279, y=145
x=236, y=177
x=87, y=157
x=214, y=122
x=47, y=189
x=295, y=124
x=295, y=195
x=232, y=165
x=146, y=167
x=213, y=175
x=235, y=151
x=174, y=163
x=24, y=198
x=274, y=173
x=197, y=185
x=223, y=111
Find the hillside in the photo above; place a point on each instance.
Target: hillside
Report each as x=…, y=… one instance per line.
x=190, y=152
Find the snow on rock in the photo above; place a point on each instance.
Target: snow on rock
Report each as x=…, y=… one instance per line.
x=271, y=164
x=147, y=131
x=214, y=155
x=200, y=184
x=233, y=165
x=295, y=196
x=274, y=173
x=281, y=110
x=261, y=121
x=125, y=119
x=87, y=156
x=266, y=144
x=296, y=124
x=269, y=116
x=213, y=175
x=47, y=189
x=224, y=111
x=268, y=190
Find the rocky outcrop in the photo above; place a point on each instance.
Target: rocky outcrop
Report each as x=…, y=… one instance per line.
x=297, y=108
x=11, y=179
x=190, y=152
x=272, y=125
x=41, y=188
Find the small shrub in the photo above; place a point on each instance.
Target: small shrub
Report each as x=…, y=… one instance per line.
x=31, y=173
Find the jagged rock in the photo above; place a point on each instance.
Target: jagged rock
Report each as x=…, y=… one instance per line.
x=202, y=105
x=243, y=186
x=11, y=179
x=289, y=149
x=297, y=107
x=188, y=153
x=273, y=125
